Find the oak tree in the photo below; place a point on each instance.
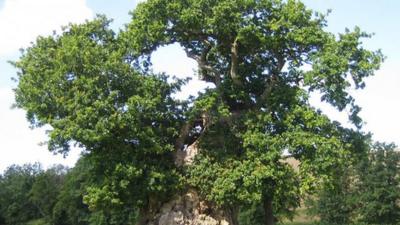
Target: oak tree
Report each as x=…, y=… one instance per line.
x=228, y=145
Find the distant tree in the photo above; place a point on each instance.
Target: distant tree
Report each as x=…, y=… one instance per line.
x=334, y=203
x=262, y=59
x=71, y=209
x=2, y=193
x=15, y=186
x=45, y=190
x=378, y=187
x=365, y=192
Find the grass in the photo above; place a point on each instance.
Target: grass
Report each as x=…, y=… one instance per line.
x=301, y=218
x=37, y=222
x=298, y=223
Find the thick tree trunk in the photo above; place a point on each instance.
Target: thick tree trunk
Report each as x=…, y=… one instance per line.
x=269, y=212
x=187, y=208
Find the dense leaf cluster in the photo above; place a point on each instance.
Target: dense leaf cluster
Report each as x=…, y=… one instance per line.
x=82, y=84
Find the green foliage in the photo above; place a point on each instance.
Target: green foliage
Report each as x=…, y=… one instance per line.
x=257, y=50
x=378, y=190
x=268, y=35
x=252, y=215
x=15, y=186
x=69, y=208
x=299, y=223
x=335, y=202
x=82, y=84
x=30, y=195
x=264, y=58
x=45, y=190
x=364, y=193
x=38, y=222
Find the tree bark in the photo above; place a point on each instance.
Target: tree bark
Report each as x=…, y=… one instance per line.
x=232, y=213
x=143, y=217
x=269, y=212
x=235, y=63
x=187, y=208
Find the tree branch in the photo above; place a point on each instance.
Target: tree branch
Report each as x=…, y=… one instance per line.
x=203, y=65
x=235, y=63
x=183, y=134
x=271, y=82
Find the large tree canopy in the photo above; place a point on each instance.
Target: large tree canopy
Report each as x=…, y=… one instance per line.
x=246, y=47
x=264, y=59
x=82, y=85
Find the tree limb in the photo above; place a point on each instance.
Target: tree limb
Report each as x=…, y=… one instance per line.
x=271, y=81
x=203, y=65
x=235, y=63
x=183, y=134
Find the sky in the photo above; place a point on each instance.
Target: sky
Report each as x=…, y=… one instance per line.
x=21, y=21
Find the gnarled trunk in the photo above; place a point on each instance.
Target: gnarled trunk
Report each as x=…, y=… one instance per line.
x=187, y=208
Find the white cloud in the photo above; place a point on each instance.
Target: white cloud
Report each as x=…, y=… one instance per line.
x=19, y=144
x=380, y=104
x=21, y=21
x=173, y=61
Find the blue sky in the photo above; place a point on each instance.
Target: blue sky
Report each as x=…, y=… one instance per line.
x=22, y=20
x=379, y=17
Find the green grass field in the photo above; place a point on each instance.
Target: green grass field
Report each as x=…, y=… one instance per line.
x=298, y=223
x=301, y=218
